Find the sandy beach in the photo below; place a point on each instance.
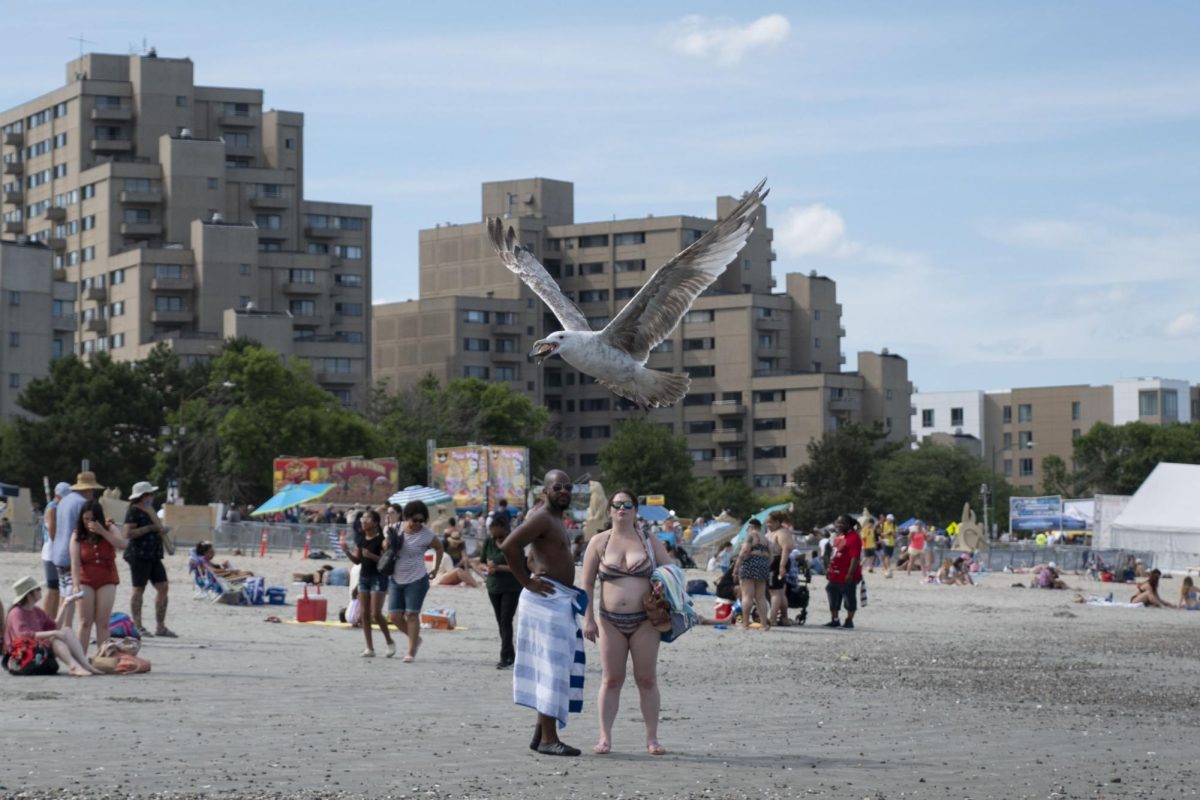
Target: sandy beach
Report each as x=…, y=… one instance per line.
x=941, y=692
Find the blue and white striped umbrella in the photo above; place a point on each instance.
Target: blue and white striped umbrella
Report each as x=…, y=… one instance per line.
x=426, y=494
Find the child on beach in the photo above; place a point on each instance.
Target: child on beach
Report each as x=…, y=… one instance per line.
x=1189, y=598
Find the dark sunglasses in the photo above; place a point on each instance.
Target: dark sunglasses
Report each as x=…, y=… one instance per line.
x=625, y=504
x=418, y=520
x=561, y=487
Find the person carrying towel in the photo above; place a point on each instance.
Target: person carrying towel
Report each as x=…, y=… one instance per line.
x=548, y=673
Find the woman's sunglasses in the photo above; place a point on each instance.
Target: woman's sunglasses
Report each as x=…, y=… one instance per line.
x=625, y=504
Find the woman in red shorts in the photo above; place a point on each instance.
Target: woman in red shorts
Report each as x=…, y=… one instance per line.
x=94, y=546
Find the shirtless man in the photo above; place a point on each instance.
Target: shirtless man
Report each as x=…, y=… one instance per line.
x=548, y=593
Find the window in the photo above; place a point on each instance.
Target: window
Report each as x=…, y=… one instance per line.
x=56, y=348
x=1075, y=434
x=505, y=317
x=704, y=343
x=273, y=190
x=214, y=183
x=772, y=451
x=348, y=309
x=690, y=236
x=244, y=300
x=88, y=223
x=302, y=308
x=702, y=454
x=597, y=240
x=1074, y=409
x=107, y=101
x=270, y=246
x=629, y=238
x=630, y=265
x=475, y=372
x=506, y=345
x=817, y=343
x=698, y=399
x=60, y=170
x=956, y=417
x=302, y=276
x=14, y=380
x=271, y=222
x=476, y=345
x=1008, y=467
x=770, y=424
x=1148, y=403
x=506, y=373
x=108, y=133
x=1170, y=404
x=1006, y=413
x=702, y=372
x=592, y=268
x=348, y=251
x=1025, y=412
x=701, y=426
x=665, y=346
x=1026, y=467
x=593, y=296
x=1007, y=445
x=14, y=298
x=137, y=216
x=595, y=432
x=243, y=269
x=181, y=101
x=168, y=271
x=594, y=404
x=598, y=322
x=770, y=396
x=168, y=302
x=926, y=417
x=699, y=316
x=318, y=248
x=137, y=184
x=116, y=340
x=14, y=339
x=1025, y=439
x=236, y=139
x=588, y=459
x=289, y=143
x=60, y=110
x=348, y=279
x=478, y=317
x=236, y=109
x=355, y=337
x=117, y=309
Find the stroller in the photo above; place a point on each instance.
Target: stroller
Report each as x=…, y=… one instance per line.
x=796, y=586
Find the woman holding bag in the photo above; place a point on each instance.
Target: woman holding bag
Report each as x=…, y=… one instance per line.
x=624, y=559
x=372, y=584
x=410, y=581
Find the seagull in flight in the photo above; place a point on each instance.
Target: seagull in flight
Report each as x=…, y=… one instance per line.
x=616, y=356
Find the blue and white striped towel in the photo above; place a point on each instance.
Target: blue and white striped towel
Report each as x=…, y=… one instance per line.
x=548, y=673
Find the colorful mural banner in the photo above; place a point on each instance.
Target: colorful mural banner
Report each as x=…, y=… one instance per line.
x=365, y=481
x=293, y=469
x=508, y=475
x=462, y=473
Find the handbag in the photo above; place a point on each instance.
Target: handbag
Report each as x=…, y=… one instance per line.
x=387, y=561
x=29, y=656
x=658, y=611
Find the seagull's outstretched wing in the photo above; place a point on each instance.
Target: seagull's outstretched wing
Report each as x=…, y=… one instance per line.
x=657, y=308
x=522, y=262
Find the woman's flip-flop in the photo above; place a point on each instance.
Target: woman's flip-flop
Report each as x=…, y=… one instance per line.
x=602, y=748
x=655, y=749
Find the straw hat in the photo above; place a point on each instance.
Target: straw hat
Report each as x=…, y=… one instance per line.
x=23, y=587
x=455, y=535
x=85, y=481
x=141, y=489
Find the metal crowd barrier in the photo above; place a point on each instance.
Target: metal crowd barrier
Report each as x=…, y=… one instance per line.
x=287, y=538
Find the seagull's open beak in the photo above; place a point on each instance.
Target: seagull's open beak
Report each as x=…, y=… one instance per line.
x=543, y=350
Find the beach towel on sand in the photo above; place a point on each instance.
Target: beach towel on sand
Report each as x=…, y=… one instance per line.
x=548, y=673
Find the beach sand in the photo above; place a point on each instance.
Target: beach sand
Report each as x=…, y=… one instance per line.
x=941, y=692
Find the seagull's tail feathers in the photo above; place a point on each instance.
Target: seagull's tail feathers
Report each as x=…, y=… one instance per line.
x=653, y=389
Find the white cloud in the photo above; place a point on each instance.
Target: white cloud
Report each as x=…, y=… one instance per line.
x=726, y=41
x=1186, y=324
x=820, y=231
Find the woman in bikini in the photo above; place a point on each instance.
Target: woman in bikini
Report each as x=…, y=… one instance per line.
x=624, y=560
x=753, y=568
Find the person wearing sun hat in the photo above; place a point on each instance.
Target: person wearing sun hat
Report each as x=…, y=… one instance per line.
x=146, y=534
x=25, y=622
x=65, y=520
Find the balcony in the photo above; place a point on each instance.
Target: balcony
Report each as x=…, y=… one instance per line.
x=309, y=321
x=770, y=323
x=57, y=243
x=96, y=325
x=96, y=293
x=302, y=288
x=14, y=167
x=845, y=404
x=340, y=378
x=236, y=121
x=729, y=464
x=321, y=233
x=59, y=274
x=770, y=352
x=510, y=328
x=728, y=437
x=112, y=114
x=171, y=317
x=112, y=146
x=64, y=323
x=141, y=230
x=14, y=197
x=56, y=214
x=14, y=227
x=269, y=201
x=15, y=139
x=728, y=408
x=142, y=198
x=181, y=284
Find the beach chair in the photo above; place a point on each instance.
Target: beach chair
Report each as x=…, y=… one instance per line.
x=206, y=585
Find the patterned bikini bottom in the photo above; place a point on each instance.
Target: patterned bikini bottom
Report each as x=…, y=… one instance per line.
x=625, y=623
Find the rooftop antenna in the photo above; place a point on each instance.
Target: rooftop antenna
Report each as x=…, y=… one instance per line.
x=82, y=41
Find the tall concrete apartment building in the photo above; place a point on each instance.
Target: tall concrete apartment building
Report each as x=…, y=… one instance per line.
x=170, y=204
x=1012, y=431
x=766, y=366
x=28, y=297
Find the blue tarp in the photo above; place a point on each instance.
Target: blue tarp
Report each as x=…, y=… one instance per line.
x=653, y=513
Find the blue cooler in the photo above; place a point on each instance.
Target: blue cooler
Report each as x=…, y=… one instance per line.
x=276, y=596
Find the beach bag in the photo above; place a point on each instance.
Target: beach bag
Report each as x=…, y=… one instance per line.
x=697, y=586
x=28, y=656
x=128, y=664
x=115, y=647
x=387, y=561
x=120, y=626
x=254, y=591
x=680, y=624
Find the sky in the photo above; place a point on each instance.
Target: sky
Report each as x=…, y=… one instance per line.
x=1007, y=194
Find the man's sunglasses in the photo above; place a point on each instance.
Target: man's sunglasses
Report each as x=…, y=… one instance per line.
x=561, y=487
x=418, y=520
x=625, y=504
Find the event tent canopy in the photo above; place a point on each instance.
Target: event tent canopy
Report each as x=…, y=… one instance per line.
x=1161, y=519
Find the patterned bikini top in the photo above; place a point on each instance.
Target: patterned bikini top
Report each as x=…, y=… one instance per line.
x=642, y=569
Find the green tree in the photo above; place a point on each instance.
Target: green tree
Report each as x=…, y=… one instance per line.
x=1116, y=459
x=647, y=458
x=838, y=476
x=713, y=495
x=933, y=481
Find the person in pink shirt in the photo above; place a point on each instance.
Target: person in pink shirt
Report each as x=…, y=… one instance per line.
x=25, y=620
x=917, y=545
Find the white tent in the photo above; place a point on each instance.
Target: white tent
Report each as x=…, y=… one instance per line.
x=1161, y=518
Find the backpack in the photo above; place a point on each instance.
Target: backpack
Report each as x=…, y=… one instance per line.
x=120, y=626
x=697, y=586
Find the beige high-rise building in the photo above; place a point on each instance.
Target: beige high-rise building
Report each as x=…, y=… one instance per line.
x=169, y=203
x=766, y=366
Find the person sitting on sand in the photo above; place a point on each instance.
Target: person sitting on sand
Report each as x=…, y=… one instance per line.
x=1048, y=577
x=1139, y=569
x=206, y=551
x=25, y=620
x=1147, y=592
x=461, y=565
x=317, y=578
x=1189, y=598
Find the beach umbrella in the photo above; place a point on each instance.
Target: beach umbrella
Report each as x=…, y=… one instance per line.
x=714, y=534
x=291, y=496
x=426, y=494
x=761, y=516
x=653, y=513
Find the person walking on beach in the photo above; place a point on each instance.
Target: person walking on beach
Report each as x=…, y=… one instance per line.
x=372, y=586
x=887, y=537
x=66, y=519
x=916, y=549
x=549, y=667
x=410, y=581
x=503, y=589
x=624, y=560
x=869, y=531
x=753, y=568
x=843, y=571
x=50, y=602
x=144, y=554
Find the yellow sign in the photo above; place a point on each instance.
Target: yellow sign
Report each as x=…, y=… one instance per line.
x=656, y=499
